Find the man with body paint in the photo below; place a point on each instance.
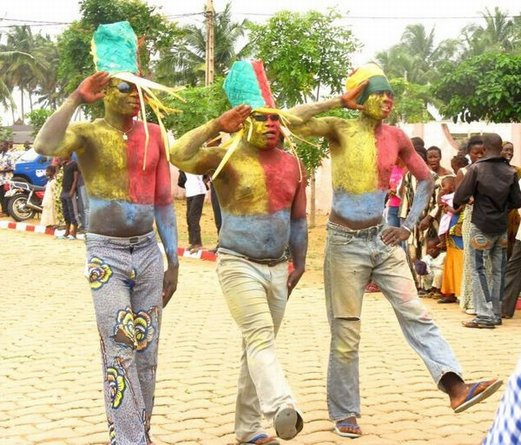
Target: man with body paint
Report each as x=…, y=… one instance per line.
x=128, y=183
x=261, y=190
x=360, y=248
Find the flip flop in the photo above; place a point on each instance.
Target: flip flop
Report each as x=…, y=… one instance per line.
x=261, y=439
x=352, y=426
x=475, y=395
x=287, y=422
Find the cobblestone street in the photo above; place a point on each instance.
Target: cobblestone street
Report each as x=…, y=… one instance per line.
x=50, y=372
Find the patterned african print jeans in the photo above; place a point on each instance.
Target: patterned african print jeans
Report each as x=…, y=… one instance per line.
x=353, y=258
x=256, y=295
x=126, y=278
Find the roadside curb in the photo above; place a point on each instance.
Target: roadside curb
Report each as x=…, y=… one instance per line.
x=203, y=255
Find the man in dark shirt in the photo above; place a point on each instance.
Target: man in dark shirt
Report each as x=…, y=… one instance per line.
x=493, y=184
x=68, y=196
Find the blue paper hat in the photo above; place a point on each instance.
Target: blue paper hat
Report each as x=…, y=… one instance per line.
x=246, y=83
x=114, y=48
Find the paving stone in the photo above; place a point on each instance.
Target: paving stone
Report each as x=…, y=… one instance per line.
x=52, y=381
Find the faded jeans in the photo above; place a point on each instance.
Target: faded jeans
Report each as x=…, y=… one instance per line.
x=354, y=258
x=256, y=295
x=488, y=292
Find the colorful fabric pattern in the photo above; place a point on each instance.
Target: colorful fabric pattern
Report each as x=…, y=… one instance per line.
x=6, y=167
x=117, y=384
x=144, y=329
x=99, y=273
x=124, y=331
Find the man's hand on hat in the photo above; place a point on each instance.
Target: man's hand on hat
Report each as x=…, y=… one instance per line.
x=93, y=87
x=231, y=121
x=349, y=98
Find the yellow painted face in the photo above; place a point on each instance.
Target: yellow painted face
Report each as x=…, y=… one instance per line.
x=122, y=98
x=379, y=105
x=266, y=130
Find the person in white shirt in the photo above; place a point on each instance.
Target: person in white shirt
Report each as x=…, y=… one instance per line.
x=195, y=188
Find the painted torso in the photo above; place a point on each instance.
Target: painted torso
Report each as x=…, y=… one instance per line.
x=362, y=157
x=256, y=191
x=122, y=195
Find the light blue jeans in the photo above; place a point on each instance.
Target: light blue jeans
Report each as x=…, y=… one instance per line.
x=488, y=292
x=354, y=258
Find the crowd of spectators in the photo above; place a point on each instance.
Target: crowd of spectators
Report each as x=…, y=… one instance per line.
x=467, y=247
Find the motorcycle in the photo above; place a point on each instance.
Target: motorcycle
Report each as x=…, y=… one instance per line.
x=25, y=200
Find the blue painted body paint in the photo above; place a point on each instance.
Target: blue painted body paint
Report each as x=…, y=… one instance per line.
x=167, y=228
x=256, y=236
x=364, y=207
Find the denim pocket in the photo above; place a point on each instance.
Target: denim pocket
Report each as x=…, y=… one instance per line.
x=340, y=238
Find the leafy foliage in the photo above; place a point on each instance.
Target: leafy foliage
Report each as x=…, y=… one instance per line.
x=185, y=61
x=153, y=30
x=303, y=53
x=202, y=104
x=482, y=87
x=37, y=118
x=410, y=102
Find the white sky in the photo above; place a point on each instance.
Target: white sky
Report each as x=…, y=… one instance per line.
x=376, y=34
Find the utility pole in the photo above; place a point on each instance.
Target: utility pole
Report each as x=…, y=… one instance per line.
x=210, y=43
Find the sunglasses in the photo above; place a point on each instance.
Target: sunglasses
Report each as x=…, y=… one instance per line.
x=124, y=87
x=265, y=117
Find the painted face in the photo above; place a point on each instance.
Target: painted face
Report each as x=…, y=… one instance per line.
x=433, y=159
x=266, y=130
x=379, y=105
x=122, y=98
x=476, y=152
x=507, y=151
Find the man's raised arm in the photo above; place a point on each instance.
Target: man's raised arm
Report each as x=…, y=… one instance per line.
x=186, y=153
x=322, y=127
x=54, y=139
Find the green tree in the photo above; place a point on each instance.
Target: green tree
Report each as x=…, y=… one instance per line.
x=37, y=118
x=26, y=64
x=485, y=87
x=152, y=28
x=410, y=103
x=497, y=34
x=303, y=54
x=185, y=62
x=202, y=104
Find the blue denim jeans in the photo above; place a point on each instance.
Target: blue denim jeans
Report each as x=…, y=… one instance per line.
x=353, y=258
x=488, y=291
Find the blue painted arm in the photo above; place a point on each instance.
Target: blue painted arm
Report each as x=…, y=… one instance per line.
x=421, y=199
x=167, y=228
x=298, y=242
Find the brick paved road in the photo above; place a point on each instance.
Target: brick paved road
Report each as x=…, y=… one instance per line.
x=50, y=376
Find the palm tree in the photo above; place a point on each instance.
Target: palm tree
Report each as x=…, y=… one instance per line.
x=498, y=34
x=24, y=66
x=185, y=63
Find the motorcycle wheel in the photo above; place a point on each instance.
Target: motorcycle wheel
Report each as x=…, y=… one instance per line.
x=18, y=210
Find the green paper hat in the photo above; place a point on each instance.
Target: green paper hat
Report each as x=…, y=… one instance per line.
x=114, y=48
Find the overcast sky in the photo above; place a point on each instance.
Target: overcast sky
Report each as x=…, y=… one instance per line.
x=378, y=24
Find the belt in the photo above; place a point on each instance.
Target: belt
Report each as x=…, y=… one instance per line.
x=356, y=232
x=270, y=262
